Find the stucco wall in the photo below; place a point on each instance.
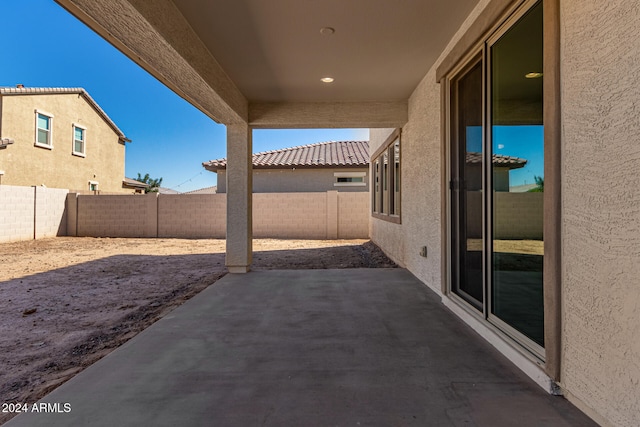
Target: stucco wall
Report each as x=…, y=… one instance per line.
x=26, y=164
x=601, y=206
x=28, y=212
x=600, y=366
x=297, y=180
x=420, y=189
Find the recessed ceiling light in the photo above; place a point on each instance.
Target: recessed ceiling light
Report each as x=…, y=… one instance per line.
x=327, y=31
x=536, y=75
x=327, y=79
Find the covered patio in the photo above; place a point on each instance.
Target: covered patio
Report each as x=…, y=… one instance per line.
x=397, y=69
x=368, y=347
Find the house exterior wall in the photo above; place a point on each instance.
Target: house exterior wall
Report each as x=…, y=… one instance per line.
x=297, y=180
x=600, y=356
x=601, y=207
x=26, y=164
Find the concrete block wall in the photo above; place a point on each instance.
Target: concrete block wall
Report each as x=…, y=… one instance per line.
x=192, y=215
x=17, y=213
x=117, y=216
x=290, y=215
x=50, y=211
x=330, y=215
x=353, y=215
x=518, y=215
x=31, y=212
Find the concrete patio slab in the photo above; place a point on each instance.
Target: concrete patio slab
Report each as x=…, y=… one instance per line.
x=370, y=347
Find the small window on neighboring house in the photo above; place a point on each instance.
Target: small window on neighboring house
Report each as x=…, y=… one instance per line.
x=386, y=180
x=93, y=185
x=43, y=130
x=349, y=179
x=79, y=134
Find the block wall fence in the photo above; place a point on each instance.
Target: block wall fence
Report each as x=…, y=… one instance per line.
x=31, y=212
x=328, y=215
x=37, y=212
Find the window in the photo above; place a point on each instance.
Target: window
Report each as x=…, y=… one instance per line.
x=385, y=201
x=93, y=185
x=79, y=145
x=349, y=179
x=44, y=129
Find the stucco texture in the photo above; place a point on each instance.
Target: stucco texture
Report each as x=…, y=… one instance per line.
x=294, y=180
x=26, y=164
x=420, y=181
x=601, y=206
x=600, y=57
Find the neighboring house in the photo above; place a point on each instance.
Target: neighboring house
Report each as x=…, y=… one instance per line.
x=555, y=79
x=502, y=165
x=61, y=139
x=205, y=190
x=165, y=190
x=324, y=166
x=133, y=184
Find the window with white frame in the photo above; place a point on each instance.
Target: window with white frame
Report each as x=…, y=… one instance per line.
x=93, y=185
x=385, y=199
x=44, y=122
x=79, y=141
x=349, y=179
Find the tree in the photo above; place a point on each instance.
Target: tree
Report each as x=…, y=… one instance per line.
x=539, y=185
x=152, y=184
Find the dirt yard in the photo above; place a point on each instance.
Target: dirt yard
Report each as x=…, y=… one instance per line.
x=66, y=302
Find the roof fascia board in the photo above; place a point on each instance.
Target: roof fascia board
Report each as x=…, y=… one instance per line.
x=159, y=39
x=299, y=115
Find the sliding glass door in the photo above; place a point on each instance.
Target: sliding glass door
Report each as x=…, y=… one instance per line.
x=466, y=186
x=497, y=180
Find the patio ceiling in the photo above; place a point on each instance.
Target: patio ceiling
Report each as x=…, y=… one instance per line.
x=261, y=60
x=274, y=50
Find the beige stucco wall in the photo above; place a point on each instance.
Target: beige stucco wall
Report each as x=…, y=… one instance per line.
x=26, y=164
x=420, y=188
x=297, y=180
x=600, y=366
x=601, y=206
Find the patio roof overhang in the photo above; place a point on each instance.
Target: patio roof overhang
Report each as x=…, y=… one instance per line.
x=261, y=63
x=258, y=64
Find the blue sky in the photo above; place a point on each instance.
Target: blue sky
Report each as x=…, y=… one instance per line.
x=525, y=142
x=44, y=46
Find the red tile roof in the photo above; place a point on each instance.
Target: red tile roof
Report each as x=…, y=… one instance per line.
x=322, y=154
x=498, y=160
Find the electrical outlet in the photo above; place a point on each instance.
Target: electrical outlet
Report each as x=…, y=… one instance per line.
x=423, y=251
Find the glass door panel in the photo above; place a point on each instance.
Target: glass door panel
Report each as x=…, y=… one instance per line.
x=517, y=174
x=466, y=187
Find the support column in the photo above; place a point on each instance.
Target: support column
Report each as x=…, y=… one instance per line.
x=239, y=198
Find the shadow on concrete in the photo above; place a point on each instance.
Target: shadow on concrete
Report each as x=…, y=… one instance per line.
x=307, y=347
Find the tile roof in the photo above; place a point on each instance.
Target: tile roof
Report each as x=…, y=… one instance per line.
x=205, y=190
x=321, y=154
x=498, y=160
x=133, y=183
x=64, y=91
